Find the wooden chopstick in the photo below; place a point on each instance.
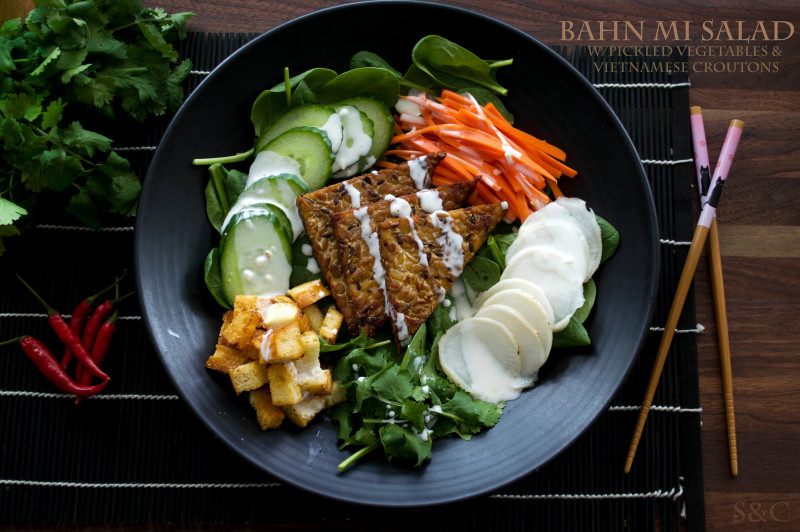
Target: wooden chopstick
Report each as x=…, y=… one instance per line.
x=698, y=241
x=717, y=287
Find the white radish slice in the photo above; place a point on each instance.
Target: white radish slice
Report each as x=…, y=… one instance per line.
x=587, y=223
x=555, y=274
x=511, y=283
x=480, y=355
x=562, y=234
x=530, y=308
x=531, y=351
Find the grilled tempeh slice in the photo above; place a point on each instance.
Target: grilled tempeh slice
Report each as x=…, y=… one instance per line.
x=356, y=230
x=423, y=255
x=316, y=207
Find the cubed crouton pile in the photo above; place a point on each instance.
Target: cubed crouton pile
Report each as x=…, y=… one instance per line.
x=269, y=346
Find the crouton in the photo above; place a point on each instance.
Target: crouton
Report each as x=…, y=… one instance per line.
x=269, y=416
x=226, y=358
x=227, y=318
x=310, y=376
x=337, y=395
x=248, y=376
x=303, y=412
x=309, y=293
x=279, y=313
x=282, y=344
x=315, y=317
x=283, y=384
x=240, y=330
x=329, y=330
x=245, y=303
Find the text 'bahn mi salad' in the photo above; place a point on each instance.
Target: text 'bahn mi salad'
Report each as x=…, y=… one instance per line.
x=397, y=252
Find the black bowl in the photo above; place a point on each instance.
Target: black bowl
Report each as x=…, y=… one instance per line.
x=549, y=99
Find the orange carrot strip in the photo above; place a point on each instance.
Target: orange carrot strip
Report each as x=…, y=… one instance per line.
x=423, y=130
x=385, y=164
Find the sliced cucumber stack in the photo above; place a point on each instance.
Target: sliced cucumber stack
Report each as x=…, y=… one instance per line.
x=357, y=130
x=323, y=117
x=382, y=127
x=255, y=256
x=280, y=191
x=310, y=147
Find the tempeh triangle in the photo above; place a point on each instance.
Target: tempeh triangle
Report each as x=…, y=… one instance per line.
x=356, y=230
x=316, y=207
x=423, y=255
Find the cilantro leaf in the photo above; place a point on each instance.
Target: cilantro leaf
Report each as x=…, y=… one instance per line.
x=10, y=211
x=400, y=442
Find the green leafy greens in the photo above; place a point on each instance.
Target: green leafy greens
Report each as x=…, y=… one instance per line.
x=403, y=404
x=73, y=59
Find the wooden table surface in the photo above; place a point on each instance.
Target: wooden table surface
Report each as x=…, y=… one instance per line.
x=759, y=220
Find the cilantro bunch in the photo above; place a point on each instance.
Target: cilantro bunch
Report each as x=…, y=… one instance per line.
x=403, y=404
x=71, y=60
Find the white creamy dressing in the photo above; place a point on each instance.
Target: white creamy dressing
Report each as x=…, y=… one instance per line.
x=355, y=195
x=461, y=308
x=333, y=128
x=423, y=258
x=266, y=346
x=370, y=238
x=430, y=201
x=355, y=143
x=268, y=277
x=418, y=170
x=449, y=241
x=313, y=265
x=267, y=163
x=400, y=208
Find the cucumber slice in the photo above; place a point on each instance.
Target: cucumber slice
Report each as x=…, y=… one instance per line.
x=255, y=257
x=383, y=127
x=281, y=190
x=280, y=213
x=357, y=142
x=268, y=163
x=310, y=147
x=323, y=117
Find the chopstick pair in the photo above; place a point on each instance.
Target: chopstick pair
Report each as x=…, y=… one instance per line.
x=717, y=288
x=704, y=223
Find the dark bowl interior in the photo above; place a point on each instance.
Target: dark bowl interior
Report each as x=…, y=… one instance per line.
x=549, y=99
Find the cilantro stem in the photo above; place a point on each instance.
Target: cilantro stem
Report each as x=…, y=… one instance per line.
x=358, y=455
x=226, y=159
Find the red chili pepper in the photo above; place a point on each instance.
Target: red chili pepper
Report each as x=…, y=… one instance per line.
x=79, y=315
x=99, y=349
x=50, y=368
x=67, y=335
x=93, y=327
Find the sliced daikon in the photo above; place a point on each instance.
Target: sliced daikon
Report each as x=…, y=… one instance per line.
x=587, y=222
x=555, y=274
x=532, y=309
x=520, y=284
x=561, y=233
x=481, y=356
x=531, y=350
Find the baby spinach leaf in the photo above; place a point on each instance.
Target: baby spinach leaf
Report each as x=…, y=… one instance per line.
x=221, y=192
x=300, y=262
x=453, y=66
x=589, y=295
x=573, y=335
x=366, y=81
x=369, y=59
x=609, y=237
x=213, y=278
x=479, y=275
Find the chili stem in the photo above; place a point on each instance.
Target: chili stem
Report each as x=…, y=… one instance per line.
x=50, y=310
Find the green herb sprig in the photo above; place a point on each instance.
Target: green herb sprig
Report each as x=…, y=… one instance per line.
x=65, y=61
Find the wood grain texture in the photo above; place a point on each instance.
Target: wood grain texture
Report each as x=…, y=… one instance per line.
x=759, y=225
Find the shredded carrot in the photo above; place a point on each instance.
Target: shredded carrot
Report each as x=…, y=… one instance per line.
x=515, y=166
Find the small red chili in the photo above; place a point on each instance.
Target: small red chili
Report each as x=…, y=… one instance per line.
x=99, y=349
x=93, y=327
x=67, y=335
x=50, y=368
x=79, y=315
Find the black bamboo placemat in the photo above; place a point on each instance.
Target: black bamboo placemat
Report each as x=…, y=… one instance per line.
x=136, y=455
